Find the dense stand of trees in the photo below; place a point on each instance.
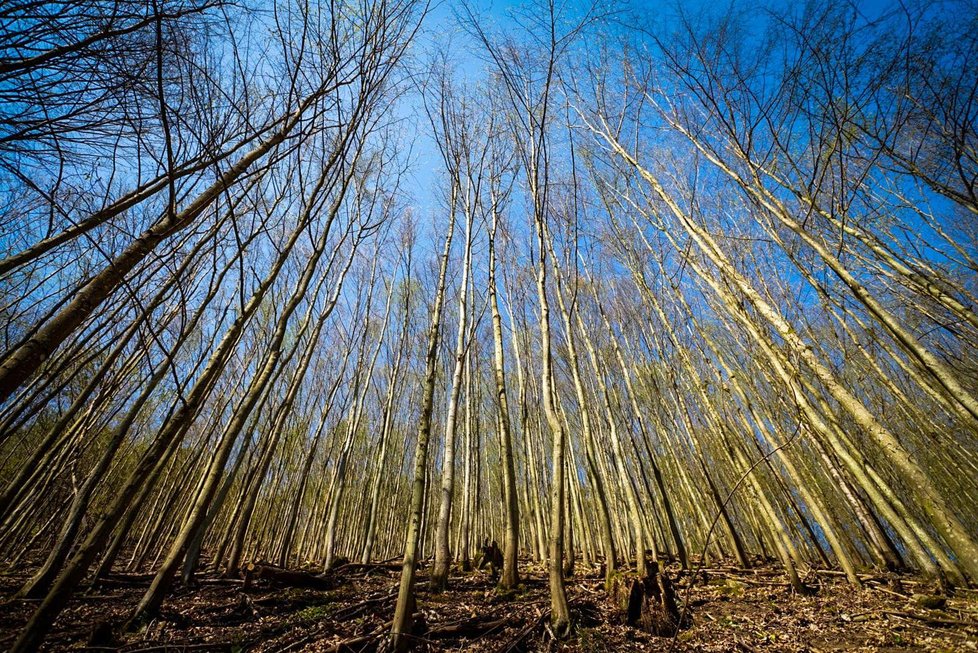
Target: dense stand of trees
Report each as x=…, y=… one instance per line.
x=705, y=287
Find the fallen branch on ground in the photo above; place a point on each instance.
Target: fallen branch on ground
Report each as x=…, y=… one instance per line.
x=474, y=627
x=931, y=620
x=257, y=571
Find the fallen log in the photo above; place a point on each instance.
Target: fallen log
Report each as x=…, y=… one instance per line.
x=368, y=566
x=258, y=571
x=468, y=627
x=751, y=581
x=934, y=621
x=122, y=580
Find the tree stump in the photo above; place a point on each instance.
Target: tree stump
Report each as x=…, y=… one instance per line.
x=648, y=603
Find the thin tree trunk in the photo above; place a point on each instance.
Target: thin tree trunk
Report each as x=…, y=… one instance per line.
x=404, y=610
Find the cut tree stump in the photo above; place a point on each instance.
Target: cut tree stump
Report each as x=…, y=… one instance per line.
x=259, y=571
x=648, y=603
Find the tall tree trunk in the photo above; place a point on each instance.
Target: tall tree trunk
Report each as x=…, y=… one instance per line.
x=510, y=576
x=443, y=556
x=404, y=610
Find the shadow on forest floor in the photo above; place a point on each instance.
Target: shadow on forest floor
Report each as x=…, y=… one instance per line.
x=732, y=610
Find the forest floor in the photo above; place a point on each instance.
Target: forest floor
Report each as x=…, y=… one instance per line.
x=732, y=610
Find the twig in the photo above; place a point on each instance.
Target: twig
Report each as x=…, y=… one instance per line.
x=523, y=634
x=931, y=620
x=889, y=591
